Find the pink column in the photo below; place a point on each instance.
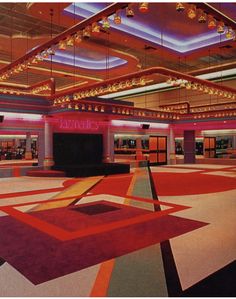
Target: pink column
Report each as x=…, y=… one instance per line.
x=172, y=157
x=108, y=144
x=48, y=140
x=28, y=153
x=41, y=148
x=139, y=154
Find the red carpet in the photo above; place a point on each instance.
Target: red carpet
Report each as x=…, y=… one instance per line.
x=40, y=257
x=191, y=183
x=115, y=185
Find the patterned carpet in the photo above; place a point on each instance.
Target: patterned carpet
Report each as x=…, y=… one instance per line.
x=164, y=231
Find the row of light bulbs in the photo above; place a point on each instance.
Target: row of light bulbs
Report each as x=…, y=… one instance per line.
x=184, y=109
x=199, y=87
x=110, y=88
x=72, y=40
x=83, y=107
x=102, y=90
x=176, y=107
x=95, y=28
x=115, y=110
x=140, y=113
x=41, y=88
x=203, y=17
x=36, y=90
x=175, y=110
x=213, y=107
x=12, y=91
x=215, y=115
x=26, y=64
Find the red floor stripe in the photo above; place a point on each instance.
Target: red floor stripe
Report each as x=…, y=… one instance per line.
x=16, y=171
x=171, y=184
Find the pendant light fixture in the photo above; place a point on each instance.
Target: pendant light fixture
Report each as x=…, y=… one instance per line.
x=105, y=23
x=192, y=11
x=95, y=28
x=129, y=11
x=211, y=22
x=117, y=18
x=143, y=7
x=202, y=17
x=180, y=7
x=70, y=41
x=62, y=45
x=78, y=38
x=221, y=27
x=87, y=32
x=229, y=33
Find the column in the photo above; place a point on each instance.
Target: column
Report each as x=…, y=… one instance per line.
x=28, y=153
x=41, y=148
x=17, y=142
x=234, y=142
x=139, y=154
x=48, y=140
x=172, y=156
x=108, y=145
x=189, y=146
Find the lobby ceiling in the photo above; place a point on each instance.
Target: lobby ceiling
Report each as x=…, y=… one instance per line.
x=160, y=37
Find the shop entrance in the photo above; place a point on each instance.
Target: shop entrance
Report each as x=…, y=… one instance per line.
x=209, y=147
x=157, y=150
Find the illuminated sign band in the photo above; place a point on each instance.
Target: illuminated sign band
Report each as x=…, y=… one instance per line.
x=74, y=124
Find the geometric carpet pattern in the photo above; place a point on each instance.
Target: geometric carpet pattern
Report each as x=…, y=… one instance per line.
x=67, y=239
x=148, y=233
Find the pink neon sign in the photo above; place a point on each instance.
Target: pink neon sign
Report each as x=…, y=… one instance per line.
x=74, y=124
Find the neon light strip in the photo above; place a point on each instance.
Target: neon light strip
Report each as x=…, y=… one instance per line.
x=16, y=136
x=22, y=116
x=218, y=132
x=68, y=59
x=123, y=123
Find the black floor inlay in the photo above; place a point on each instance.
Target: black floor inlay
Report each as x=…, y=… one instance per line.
x=96, y=209
x=2, y=261
x=220, y=284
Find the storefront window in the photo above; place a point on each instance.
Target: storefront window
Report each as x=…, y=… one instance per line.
x=13, y=148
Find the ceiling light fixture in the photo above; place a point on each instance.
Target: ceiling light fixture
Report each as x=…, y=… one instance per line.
x=62, y=45
x=117, y=18
x=211, y=22
x=202, y=18
x=70, y=41
x=95, y=28
x=129, y=12
x=78, y=38
x=221, y=27
x=229, y=33
x=87, y=32
x=143, y=7
x=105, y=23
x=180, y=7
x=192, y=11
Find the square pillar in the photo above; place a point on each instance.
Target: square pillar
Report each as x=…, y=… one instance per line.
x=189, y=146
